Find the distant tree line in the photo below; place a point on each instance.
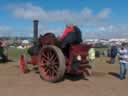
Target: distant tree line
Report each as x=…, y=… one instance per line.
x=16, y=38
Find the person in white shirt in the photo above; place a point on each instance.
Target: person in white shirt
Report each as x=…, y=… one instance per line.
x=123, y=60
x=91, y=56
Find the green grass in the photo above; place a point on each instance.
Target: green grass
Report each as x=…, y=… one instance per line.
x=101, y=49
x=14, y=53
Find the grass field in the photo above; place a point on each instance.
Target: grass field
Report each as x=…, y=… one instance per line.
x=14, y=53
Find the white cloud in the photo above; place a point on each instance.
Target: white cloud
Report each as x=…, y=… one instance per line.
x=4, y=28
x=10, y=31
x=86, y=13
x=110, y=31
x=105, y=13
x=102, y=29
x=30, y=11
x=85, y=17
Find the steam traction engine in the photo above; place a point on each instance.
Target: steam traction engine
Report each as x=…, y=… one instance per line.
x=52, y=63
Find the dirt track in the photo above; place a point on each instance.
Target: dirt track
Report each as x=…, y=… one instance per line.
x=102, y=83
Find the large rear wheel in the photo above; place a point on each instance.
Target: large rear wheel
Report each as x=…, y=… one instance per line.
x=51, y=63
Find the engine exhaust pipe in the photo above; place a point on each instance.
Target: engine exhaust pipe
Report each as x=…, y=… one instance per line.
x=35, y=29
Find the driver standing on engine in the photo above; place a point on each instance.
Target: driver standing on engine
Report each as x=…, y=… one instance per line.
x=71, y=35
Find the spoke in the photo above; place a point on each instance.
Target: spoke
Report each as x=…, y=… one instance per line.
x=44, y=55
x=51, y=72
x=47, y=54
x=43, y=61
x=44, y=66
x=46, y=69
x=54, y=60
x=50, y=53
x=54, y=70
x=52, y=57
x=55, y=64
x=48, y=72
x=55, y=67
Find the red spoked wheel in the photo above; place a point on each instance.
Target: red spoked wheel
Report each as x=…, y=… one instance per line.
x=22, y=63
x=51, y=63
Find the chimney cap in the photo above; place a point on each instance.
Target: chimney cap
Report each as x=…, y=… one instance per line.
x=35, y=20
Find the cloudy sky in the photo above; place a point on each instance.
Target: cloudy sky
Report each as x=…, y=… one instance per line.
x=96, y=18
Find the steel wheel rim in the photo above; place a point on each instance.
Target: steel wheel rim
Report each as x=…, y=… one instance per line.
x=49, y=64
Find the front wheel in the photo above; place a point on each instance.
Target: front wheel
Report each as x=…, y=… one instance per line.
x=51, y=63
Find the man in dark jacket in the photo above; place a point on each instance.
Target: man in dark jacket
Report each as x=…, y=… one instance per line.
x=71, y=35
x=113, y=54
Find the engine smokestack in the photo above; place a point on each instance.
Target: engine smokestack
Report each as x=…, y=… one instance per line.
x=35, y=26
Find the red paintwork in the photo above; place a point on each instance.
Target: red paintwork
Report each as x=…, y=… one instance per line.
x=22, y=63
x=75, y=50
x=48, y=38
x=34, y=60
